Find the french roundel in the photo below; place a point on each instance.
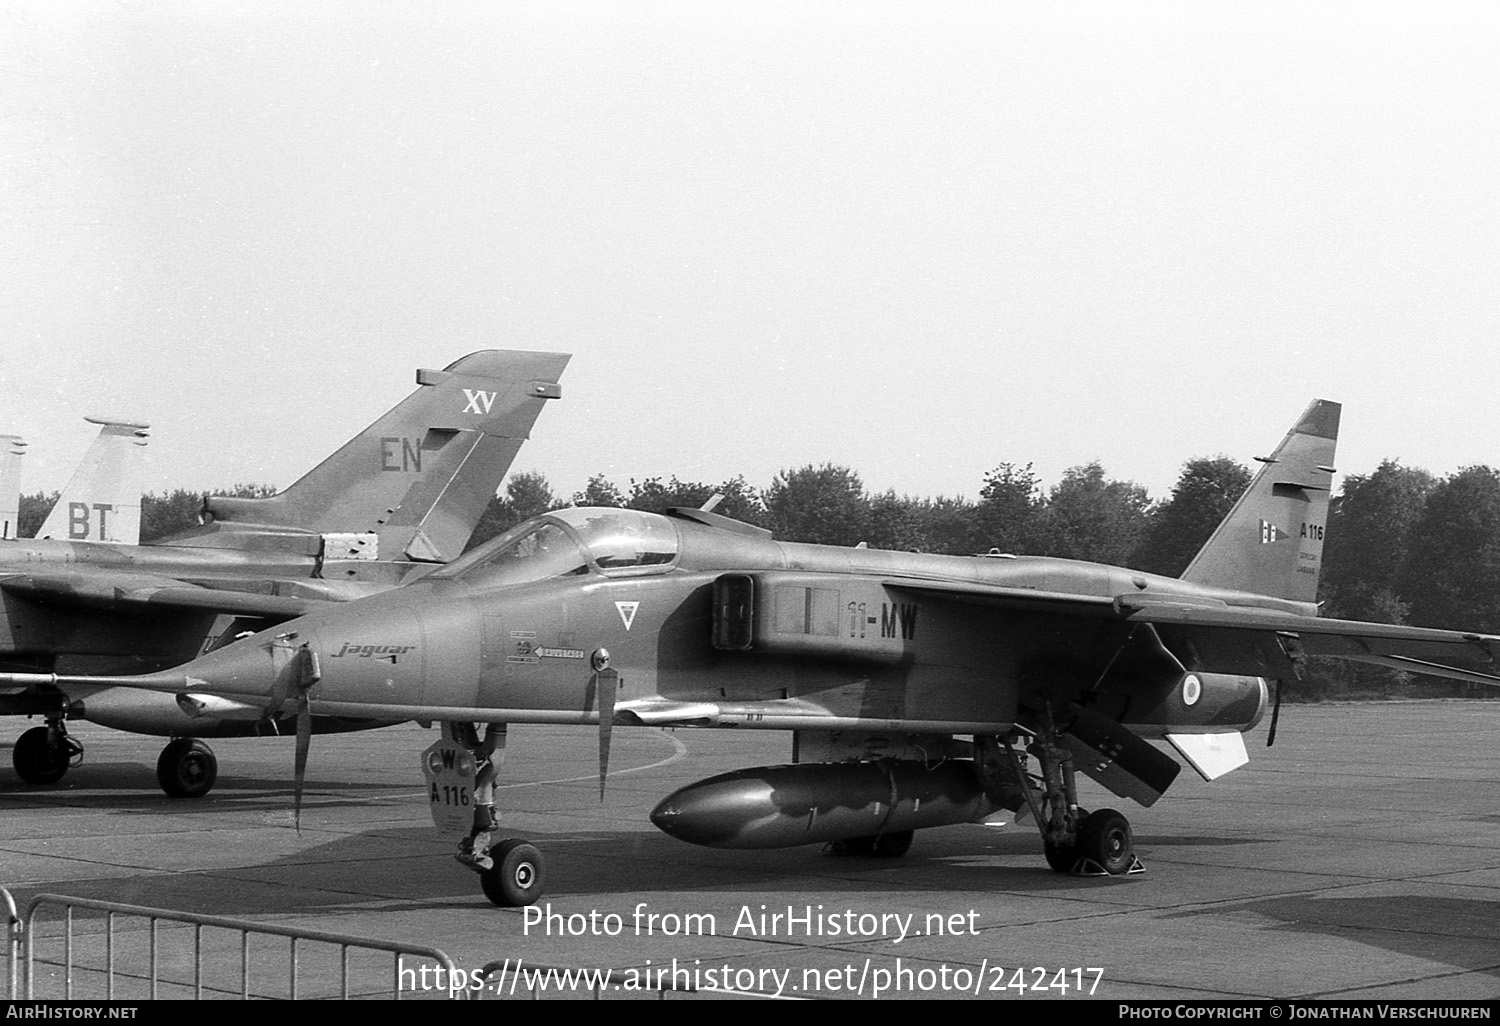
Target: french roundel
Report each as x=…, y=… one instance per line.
x=1192, y=689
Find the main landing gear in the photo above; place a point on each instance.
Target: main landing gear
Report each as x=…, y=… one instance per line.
x=1074, y=840
x=43, y=754
x=187, y=768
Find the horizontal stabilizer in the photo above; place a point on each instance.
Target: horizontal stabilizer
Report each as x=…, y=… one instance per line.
x=1212, y=755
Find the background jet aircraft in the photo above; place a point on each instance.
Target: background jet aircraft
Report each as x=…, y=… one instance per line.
x=12, y=448
x=919, y=687
x=401, y=497
x=102, y=501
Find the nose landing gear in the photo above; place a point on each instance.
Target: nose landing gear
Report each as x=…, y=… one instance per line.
x=517, y=875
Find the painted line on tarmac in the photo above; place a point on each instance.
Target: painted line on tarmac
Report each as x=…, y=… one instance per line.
x=680, y=751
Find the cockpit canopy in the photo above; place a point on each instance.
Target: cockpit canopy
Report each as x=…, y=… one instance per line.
x=570, y=541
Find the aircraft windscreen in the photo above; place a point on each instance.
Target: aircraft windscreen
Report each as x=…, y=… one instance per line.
x=533, y=551
x=620, y=538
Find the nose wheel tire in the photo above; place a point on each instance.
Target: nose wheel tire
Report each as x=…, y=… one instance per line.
x=895, y=845
x=517, y=877
x=187, y=768
x=37, y=759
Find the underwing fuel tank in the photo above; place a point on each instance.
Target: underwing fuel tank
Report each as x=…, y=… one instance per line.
x=1198, y=703
x=814, y=803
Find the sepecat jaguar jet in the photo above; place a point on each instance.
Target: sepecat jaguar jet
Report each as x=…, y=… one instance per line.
x=922, y=690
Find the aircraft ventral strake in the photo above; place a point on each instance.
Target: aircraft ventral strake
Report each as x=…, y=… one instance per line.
x=923, y=690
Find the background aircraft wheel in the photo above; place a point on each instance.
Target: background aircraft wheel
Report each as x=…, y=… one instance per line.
x=36, y=760
x=517, y=876
x=893, y=846
x=187, y=768
x=1105, y=838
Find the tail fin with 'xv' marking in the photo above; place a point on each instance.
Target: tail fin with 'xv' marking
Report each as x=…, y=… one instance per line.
x=1272, y=541
x=413, y=485
x=102, y=502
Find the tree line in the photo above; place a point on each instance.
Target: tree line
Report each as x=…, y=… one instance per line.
x=1403, y=546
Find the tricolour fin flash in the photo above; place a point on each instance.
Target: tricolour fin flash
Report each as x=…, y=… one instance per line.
x=1271, y=543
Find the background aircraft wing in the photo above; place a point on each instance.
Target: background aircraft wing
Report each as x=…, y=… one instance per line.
x=118, y=591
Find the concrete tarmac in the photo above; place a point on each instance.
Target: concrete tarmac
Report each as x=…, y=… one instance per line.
x=1358, y=858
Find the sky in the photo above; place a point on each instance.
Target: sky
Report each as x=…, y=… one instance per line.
x=915, y=239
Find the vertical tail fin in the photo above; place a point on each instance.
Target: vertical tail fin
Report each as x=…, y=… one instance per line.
x=419, y=478
x=1272, y=541
x=102, y=502
x=12, y=448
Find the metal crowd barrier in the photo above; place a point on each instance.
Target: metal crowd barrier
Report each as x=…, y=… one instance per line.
x=80, y=938
x=12, y=944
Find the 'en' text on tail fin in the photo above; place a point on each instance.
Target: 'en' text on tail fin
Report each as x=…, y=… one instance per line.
x=413, y=485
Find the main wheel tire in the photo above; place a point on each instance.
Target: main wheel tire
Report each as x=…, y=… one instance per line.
x=37, y=760
x=517, y=877
x=1105, y=838
x=187, y=768
x=853, y=846
x=1061, y=857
